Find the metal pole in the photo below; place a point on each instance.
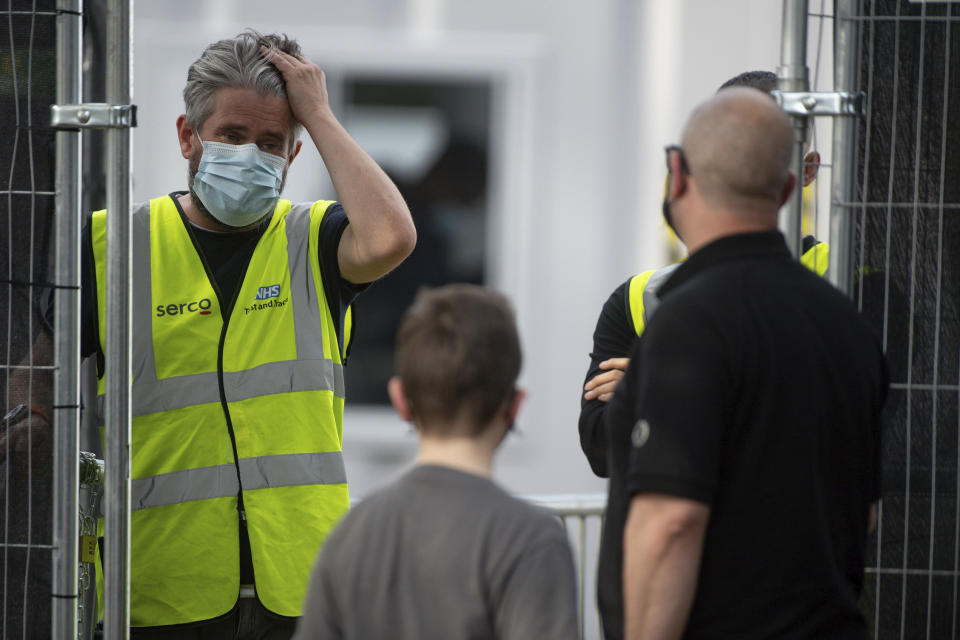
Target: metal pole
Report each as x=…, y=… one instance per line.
x=792, y=76
x=846, y=49
x=66, y=414
x=116, y=586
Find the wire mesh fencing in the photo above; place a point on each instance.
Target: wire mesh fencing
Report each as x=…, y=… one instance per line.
x=27, y=88
x=907, y=284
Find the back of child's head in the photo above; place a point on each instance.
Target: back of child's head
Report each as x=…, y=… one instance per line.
x=458, y=356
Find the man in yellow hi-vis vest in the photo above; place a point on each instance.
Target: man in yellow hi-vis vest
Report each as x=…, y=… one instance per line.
x=239, y=304
x=631, y=305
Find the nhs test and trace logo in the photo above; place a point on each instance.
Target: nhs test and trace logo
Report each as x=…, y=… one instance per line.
x=267, y=292
x=268, y=297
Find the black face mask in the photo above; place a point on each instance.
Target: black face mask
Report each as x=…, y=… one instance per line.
x=667, y=217
x=672, y=148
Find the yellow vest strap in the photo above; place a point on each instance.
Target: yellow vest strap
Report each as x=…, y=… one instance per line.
x=635, y=299
x=642, y=299
x=220, y=481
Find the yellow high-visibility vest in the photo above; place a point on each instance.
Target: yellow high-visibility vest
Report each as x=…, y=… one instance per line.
x=816, y=258
x=250, y=396
x=642, y=291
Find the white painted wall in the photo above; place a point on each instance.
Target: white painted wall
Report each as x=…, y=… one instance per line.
x=595, y=90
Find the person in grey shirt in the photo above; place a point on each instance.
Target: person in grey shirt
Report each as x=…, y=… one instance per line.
x=444, y=552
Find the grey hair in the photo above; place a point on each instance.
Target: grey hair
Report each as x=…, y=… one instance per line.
x=236, y=63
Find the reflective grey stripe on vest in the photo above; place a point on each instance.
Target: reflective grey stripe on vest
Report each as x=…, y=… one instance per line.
x=265, y=472
x=309, y=372
x=307, y=319
x=650, y=299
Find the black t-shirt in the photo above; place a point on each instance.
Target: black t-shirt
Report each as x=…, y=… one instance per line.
x=756, y=389
x=613, y=337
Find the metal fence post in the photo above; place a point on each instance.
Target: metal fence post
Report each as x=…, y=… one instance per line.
x=792, y=76
x=846, y=40
x=117, y=415
x=66, y=415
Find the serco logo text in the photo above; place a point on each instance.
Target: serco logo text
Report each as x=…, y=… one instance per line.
x=201, y=306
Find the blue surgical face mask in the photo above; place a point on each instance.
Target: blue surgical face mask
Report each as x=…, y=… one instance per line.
x=238, y=184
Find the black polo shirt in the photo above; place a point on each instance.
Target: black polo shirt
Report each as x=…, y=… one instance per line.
x=756, y=389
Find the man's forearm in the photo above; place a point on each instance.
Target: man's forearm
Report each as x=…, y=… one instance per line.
x=662, y=544
x=593, y=436
x=381, y=232
x=31, y=382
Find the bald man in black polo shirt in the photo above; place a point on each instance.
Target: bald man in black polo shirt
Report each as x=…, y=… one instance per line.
x=752, y=404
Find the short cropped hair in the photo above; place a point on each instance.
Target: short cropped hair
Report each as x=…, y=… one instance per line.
x=239, y=64
x=765, y=81
x=458, y=356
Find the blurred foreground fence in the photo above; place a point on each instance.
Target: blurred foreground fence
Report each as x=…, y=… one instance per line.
x=903, y=207
x=27, y=89
x=908, y=258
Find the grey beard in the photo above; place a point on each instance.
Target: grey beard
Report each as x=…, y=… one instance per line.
x=195, y=199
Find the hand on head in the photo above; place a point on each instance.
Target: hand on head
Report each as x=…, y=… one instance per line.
x=305, y=82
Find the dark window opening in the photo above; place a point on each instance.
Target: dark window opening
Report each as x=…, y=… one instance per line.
x=432, y=138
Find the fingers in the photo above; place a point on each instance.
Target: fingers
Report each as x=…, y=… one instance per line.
x=281, y=59
x=305, y=84
x=601, y=386
x=615, y=363
x=603, y=392
x=602, y=378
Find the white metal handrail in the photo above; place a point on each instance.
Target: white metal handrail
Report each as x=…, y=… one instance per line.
x=582, y=517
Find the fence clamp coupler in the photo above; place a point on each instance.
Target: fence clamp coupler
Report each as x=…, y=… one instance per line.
x=96, y=115
x=821, y=103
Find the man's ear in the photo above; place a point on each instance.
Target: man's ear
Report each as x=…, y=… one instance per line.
x=398, y=399
x=186, y=136
x=514, y=404
x=811, y=165
x=677, y=180
x=788, y=189
x=296, y=152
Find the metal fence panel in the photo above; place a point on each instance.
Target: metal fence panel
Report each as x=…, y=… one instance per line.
x=27, y=88
x=582, y=518
x=907, y=283
x=895, y=202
